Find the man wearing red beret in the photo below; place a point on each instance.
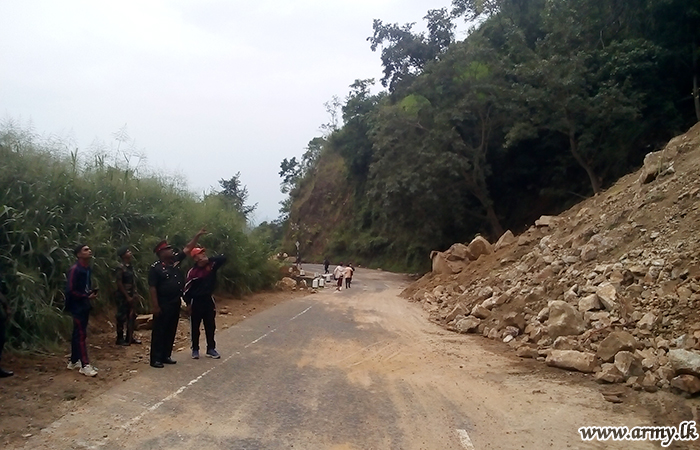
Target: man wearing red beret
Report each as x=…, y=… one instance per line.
x=165, y=283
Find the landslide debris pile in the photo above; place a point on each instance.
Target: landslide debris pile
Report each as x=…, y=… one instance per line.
x=610, y=287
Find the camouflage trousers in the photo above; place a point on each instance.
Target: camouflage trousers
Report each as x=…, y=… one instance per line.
x=126, y=317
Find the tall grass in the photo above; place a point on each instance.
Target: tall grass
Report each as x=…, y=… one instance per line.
x=52, y=200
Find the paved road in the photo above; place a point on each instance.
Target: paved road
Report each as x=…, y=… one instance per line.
x=356, y=369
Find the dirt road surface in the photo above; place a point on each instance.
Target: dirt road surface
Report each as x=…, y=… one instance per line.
x=355, y=369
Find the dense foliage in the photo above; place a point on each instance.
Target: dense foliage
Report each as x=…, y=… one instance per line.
x=544, y=103
x=51, y=201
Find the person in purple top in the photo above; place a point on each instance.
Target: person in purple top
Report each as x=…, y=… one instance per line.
x=79, y=295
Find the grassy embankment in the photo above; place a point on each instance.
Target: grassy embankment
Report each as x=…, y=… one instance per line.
x=51, y=201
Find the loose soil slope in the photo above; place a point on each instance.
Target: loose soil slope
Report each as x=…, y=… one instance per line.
x=623, y=263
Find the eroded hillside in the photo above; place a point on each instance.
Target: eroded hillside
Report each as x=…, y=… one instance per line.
x=321, y=205
x=610, y=287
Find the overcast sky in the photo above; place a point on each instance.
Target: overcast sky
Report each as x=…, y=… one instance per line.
x=206, y=88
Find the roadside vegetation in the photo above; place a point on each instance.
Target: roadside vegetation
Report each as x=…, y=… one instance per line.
x=53, y=198
x=544, y=103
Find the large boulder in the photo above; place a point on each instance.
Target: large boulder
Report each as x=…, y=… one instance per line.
x=514, y=319
x=564, y=320
x=589, y=303
x=647, y=321
x=589, y=252
x=572, y=360
x=480, y=312
x=456, y=311
x=609, y=374
x=287, y=284
x=505, y=240
x=440, y=263
x=615, y=342
x=684, y=361
x=607, y=294
x=480, y=246
x=628, y=364
x=458, y=252
x=546, y=221
x=525, y=351
x=687, y=383
x=468, y=325
x=658, y=163
x=565, y=343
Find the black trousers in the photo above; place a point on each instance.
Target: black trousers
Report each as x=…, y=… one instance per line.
x=164, y=330
x=203, y=310
x=3, y=322
x=78, y=343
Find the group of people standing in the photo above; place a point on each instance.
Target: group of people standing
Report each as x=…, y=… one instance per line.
x=167, y=289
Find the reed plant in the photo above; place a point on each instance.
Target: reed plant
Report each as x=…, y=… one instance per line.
x=52, y=199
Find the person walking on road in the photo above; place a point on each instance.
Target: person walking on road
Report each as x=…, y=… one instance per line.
x=125, y=296
x=165, y=283
x=79, y=295
x=199, y=290
x=326, y=264
x=347, y=274
x=4, y=318
x=338, y=273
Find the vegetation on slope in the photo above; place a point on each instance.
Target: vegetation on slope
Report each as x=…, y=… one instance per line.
x=51, y=201
x=544, y=103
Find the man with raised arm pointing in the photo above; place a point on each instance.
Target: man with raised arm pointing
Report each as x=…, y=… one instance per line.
x=165, y=284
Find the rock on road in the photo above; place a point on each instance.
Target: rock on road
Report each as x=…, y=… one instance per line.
x=356, y=369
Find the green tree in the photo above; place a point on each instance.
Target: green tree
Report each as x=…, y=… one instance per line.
x=353, y=141
x=586, y=94
x=675, y=25
x=290, y=171
x=236, y=195
x=404, y=53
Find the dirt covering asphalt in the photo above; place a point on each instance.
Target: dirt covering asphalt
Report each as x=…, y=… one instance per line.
x=43, y=390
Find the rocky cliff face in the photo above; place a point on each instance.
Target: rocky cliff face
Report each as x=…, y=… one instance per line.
x=321, y=206
x=610, y=287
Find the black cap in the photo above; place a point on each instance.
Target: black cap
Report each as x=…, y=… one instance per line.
x=121, y=251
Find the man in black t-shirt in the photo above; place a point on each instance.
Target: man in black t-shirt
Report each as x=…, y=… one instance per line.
x=199, y=290
x=165, y=283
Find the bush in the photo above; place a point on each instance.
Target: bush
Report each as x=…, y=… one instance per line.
x=51, y=201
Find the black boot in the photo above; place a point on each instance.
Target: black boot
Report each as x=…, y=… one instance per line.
x=120, y=338
x=5, y=373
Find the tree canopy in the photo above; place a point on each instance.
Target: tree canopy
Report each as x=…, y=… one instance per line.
x=543, y=103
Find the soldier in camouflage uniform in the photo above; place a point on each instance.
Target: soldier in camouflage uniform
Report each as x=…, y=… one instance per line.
x=125, y=295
